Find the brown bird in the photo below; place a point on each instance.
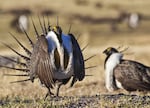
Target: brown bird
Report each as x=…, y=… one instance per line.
x=54, y=58
x=125, y=74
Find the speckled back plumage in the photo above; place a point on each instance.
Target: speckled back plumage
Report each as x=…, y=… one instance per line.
x=133, y=75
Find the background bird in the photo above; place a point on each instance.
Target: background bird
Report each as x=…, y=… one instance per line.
x=53, y=59
x=125, y=74
x=20, y=23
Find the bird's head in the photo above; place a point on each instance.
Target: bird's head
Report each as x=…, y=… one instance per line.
x=58, y=32
x=110, y=51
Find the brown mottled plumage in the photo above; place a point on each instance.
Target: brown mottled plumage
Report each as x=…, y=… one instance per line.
x=133, y=75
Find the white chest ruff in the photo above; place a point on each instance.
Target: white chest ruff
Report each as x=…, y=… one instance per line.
x=111, y=63
x=53, y=43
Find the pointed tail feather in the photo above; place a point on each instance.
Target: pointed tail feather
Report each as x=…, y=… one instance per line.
x=37, y=34
x=20, y=81
x=79, y=35
x=22, y=64
x=26, y=34
x=69, y=29
x=73, y=81
x=15, y=75
x=41, y=24
x=84, y=47
x=90, y=67
x=89, y=58
x=23, y=70
x=57, y=21
x=88, y=75
x=26, y=50
x=24, y=57
x=48, y=25
x=45, y=29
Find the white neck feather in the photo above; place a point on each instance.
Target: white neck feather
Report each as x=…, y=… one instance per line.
x=111, y=63
x=68, y=45
x=53, y=40
x=54, y=43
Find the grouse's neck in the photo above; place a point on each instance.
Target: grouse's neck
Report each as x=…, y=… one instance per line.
x=110, y=63
x=106, y=61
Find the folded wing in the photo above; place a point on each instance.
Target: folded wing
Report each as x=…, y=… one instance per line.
x=79, y=68
x=133, y=75
x=41, y=66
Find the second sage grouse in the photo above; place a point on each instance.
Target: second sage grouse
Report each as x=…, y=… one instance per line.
x=20, y=23
x=54, y=58
x=125, y=74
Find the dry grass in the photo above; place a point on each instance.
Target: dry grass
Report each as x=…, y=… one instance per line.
x=98, y=36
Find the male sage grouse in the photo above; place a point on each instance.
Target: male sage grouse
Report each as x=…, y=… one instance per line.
x=125, y=74
x=55, y=57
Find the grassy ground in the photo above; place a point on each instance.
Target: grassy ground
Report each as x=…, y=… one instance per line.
x=99, y=37
x=98, y=101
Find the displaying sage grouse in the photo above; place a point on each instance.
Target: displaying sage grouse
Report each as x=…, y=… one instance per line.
x=55, y=57
x=125, y=74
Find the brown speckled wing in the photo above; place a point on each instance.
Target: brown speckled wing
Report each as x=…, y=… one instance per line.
x=133, y=75
x=41, y=64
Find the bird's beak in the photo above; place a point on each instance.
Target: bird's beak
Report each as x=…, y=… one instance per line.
x=105, y=52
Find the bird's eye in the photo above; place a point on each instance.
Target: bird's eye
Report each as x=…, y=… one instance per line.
x=109, y=49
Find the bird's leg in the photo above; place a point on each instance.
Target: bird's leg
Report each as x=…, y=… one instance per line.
x=59, y=85
x=48, y=93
